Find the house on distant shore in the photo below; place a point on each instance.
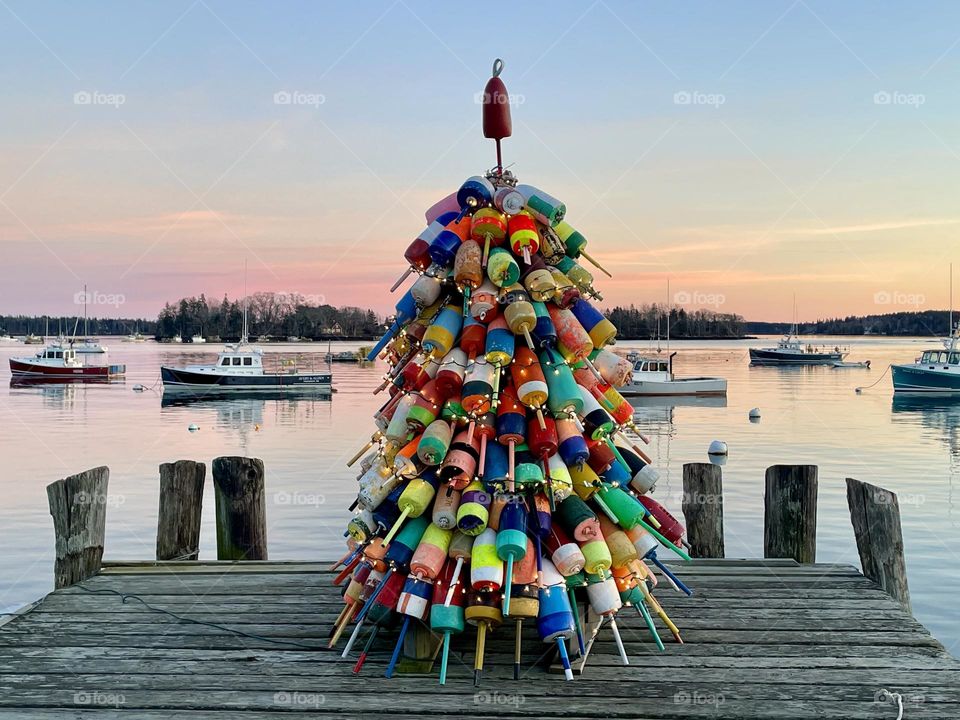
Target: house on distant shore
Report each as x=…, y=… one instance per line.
x=334, y=329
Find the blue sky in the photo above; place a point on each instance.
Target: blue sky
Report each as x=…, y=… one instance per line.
x=748, y=151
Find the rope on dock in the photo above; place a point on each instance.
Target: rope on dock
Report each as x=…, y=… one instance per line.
x=125, y=596
x=885, y=694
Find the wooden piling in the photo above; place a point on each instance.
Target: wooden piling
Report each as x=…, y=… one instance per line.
x=181, y=502
x=78, y=505
x=875, y=514
x=241, y=508
x=790, y=513
x=703, y=509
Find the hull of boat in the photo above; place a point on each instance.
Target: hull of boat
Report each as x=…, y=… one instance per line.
x=23, y=369
x=914, y=380
x=698, y=387
x=759, y=356
x=181, y=380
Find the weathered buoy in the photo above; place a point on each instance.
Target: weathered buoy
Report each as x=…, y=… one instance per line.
x=717, y=447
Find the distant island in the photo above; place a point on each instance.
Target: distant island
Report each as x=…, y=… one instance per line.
x=284, y=315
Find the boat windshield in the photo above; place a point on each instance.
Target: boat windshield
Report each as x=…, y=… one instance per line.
x=941, y=357
x=651, y=366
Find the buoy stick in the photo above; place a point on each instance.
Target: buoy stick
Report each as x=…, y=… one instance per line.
x=539, y=548
x=673, y=578
x=496, y=388
x=516, y=651
x=526, y=334
x=406, y=274
x=663, y=616
x=348, y=568
x=593, y=262
x=396, y=525
x=444, y=658
x=369, y=604
x=592, y=368
x=466, y=301
x=565, y=659
x=645, y=614
x=507, y=585
x=619, y=640
x=399, y=646
x=633, y=446
x=616, y=452
x=361, y=452
x=576, y=622
x=483, y=455
x=344, y=559
x=342, y=621
x=510, y=455
x=353, y=638
x=543, y=425
x=650, y=529
x=486, y=249
x=454, y=581
x=366, y=649
x=606, y=509
x=478, y=659
x=470, y=429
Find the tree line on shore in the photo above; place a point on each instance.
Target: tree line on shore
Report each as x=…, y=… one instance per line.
x=284, y=315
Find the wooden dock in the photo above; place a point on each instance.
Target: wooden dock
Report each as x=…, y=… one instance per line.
x=764, y=639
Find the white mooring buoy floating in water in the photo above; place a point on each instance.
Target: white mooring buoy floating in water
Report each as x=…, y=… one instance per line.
x=755, y=414
x=717, y=447
x=193, y=427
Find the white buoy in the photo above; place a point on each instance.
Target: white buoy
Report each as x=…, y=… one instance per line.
x=138, y=388
x=717, y=447
x=755, y=414
x=193, y=427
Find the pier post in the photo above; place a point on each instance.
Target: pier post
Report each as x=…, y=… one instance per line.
x=241, y=508
x=703, y=509
x=181, y=502
x=790, y=513
x=875, y=514
x=78, y=505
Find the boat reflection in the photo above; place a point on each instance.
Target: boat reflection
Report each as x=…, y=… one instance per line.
x=213, y=397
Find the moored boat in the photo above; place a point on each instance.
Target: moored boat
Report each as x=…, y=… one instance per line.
x=654, y=376
x=934, y=372
x=59, y=362
x=791, y=351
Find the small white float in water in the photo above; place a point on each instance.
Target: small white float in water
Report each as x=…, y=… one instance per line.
x=755, y=414
x=717, y=447
x=193, y=427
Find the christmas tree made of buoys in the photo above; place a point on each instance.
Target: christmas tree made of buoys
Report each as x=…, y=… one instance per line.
x=504, y=482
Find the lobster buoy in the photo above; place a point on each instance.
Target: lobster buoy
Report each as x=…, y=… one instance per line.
x=497, y=123
x=755, y=414
x=717, y=447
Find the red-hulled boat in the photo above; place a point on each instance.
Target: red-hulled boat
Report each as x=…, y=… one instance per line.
x=59, y=362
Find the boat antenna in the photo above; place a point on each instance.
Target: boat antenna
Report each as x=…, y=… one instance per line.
x=950, y=320
x=668, y=315
x=243, y=337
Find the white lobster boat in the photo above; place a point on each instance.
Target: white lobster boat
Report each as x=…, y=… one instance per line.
x=654, y=376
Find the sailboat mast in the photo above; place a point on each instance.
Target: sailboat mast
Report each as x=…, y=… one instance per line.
x=86, y=332
x=950, y=320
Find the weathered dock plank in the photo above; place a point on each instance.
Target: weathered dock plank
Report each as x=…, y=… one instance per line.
x=765, y=639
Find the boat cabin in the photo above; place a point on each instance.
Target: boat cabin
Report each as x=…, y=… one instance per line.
x=647, y=365
x=236, y=360
x=939, y=357
x=57, y=355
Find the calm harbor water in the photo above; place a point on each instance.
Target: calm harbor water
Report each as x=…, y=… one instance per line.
x=809, y=415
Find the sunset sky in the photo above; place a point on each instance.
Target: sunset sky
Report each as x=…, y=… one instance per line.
x=747, y=151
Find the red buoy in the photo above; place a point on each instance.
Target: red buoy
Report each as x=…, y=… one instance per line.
x=496, y=109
